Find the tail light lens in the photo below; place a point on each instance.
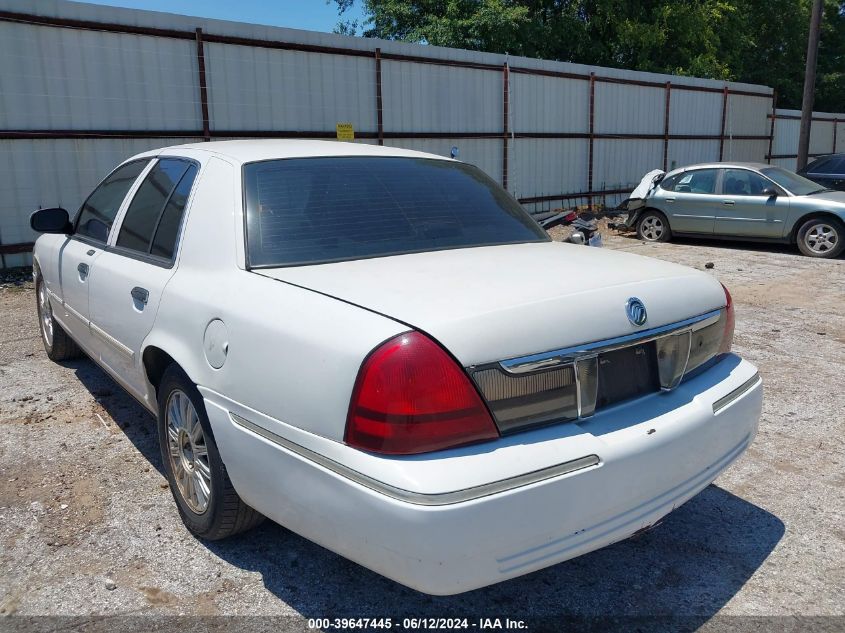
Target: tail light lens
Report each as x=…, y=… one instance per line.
x=730, y=321
x=412, y=397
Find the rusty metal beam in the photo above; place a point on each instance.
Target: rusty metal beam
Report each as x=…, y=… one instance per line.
x=666, y=125
x=379, y=112
x=206, y=128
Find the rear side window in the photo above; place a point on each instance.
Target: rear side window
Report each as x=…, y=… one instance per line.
x=152, y=220
x=698, y=181
x=836, y=167
x=99, y=210
x=311, y=210
x=819, y=166
x=669, y=183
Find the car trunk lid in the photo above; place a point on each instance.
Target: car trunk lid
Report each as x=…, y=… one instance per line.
x=492, y=303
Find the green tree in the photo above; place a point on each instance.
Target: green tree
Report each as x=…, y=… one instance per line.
x=755, y=41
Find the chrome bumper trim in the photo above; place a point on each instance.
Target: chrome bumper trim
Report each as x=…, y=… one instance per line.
x=418, y=498
x=737, y=393
x=544, y=360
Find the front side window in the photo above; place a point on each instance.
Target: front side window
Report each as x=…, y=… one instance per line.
x=741, y=182
x=98, y=212
x=313, y=210
x=697, y=181
x=152, y=220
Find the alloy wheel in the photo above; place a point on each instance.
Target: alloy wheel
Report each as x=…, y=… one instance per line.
x=188, y=452
x=46, y=313
x=652, y=228
x=821, y=238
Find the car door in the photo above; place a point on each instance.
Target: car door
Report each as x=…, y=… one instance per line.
x=691, y=204
x=77, y=256
x=131, y=274
x=745, y=210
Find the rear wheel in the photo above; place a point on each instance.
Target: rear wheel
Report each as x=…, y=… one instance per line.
x=821, y=237
x=57, y=343
x=653, y=227
x=207, y=501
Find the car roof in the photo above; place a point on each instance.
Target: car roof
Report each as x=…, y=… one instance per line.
x=719, y=165
x=251, y=150
x=824, y=156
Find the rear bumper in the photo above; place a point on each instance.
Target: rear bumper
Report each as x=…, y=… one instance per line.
x=653, y=455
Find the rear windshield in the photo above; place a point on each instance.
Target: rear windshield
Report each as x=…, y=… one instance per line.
x=313, y=210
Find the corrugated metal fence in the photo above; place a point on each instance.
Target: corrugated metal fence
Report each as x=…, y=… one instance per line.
x=827, y=136
x=83, y=87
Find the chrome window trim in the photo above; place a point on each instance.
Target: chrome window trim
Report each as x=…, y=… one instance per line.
x=553, y=358
x=418, y=498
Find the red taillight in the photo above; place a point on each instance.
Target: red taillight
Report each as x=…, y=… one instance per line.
x=570, y=217
x=730, y=321
x=412, y=397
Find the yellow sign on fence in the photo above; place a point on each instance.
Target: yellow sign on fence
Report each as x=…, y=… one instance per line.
x=345, y=132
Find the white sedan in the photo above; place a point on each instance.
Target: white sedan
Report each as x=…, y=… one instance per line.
x=380, y=350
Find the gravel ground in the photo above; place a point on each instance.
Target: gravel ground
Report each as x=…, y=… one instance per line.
x=88, y=526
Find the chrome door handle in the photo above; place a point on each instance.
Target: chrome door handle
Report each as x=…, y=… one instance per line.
x=727, y=202
x=83, y=269
x=140, y=294
x=670, y=200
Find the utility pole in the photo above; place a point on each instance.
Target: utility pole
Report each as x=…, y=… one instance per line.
x=809, y=84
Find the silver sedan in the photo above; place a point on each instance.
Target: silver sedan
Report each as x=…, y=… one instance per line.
x=752, y=201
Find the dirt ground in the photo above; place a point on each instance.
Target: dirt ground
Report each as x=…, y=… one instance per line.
x=88, y=526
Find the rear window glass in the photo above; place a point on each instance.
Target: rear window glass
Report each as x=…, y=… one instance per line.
x=698, y=181
x=145, y=210
x=311, y=210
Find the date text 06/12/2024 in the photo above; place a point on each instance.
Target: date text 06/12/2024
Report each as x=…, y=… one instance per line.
x=417, y=623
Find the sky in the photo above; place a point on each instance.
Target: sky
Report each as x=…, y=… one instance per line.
x=311, y=15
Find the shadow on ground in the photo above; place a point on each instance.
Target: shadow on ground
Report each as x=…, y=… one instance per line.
x=734, y=245
x=690, y=565
x=137, y=424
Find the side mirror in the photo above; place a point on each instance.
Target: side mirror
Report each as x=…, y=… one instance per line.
x=55, y=220
x=771, y=192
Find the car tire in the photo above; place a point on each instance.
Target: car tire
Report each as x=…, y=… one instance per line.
x=208, y=504
x=653, y=226
x=822, y=237
x=57, y=343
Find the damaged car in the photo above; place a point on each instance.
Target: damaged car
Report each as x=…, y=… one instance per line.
x=744, y=201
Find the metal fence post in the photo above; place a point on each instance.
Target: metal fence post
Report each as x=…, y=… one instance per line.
x=666, y=126
x=772, y=129
x=724, y=117
x=379, y=114
x=505, y=122
x=206, y=127
x=592, y=133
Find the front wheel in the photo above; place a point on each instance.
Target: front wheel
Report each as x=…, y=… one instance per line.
x=821, y=237
x=57, y=343
x=653, y=227
x=208, y=504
